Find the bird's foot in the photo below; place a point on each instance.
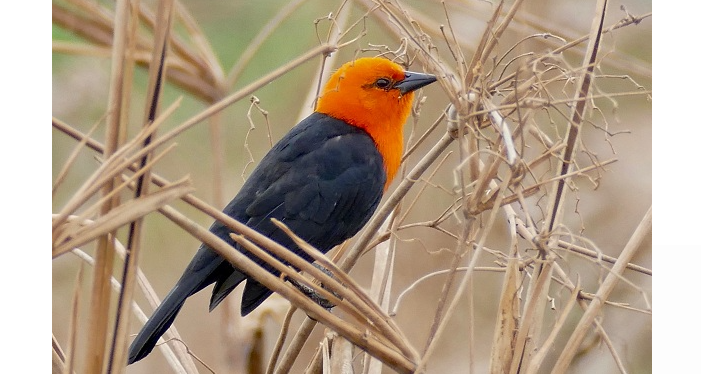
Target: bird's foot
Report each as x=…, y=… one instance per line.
x=314, y=295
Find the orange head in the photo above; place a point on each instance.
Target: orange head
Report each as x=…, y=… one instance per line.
x=374, y=94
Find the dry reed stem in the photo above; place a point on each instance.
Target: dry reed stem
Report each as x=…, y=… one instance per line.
x=537, y=360
x=529, y=23
x=600, y=256
x=340, y=357
x=296, y=345
x=573, y=130
x=284, y=330
x=509, y=311
x=97, y=331
x=73, y=331
x=58, y=358
x=382, y=273
x=123, y=214
x=72, y=157
x=157, y=68
x=530, y=324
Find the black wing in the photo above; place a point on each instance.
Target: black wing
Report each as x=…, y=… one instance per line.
x=324, y=180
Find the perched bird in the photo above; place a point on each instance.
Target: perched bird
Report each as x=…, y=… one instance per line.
x=324, y=180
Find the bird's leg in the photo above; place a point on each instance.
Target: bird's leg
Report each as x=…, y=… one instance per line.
x=312, y=294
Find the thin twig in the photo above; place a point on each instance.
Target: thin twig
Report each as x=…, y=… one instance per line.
x=603, y=293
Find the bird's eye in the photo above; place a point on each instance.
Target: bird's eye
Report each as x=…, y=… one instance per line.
x=383, y=83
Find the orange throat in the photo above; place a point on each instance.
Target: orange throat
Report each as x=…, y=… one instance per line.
x=390, y=143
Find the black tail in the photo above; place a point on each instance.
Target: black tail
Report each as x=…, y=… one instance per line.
x=199, y=274
x=157, y=325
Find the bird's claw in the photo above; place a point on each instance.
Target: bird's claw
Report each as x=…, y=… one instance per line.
x=314, y=295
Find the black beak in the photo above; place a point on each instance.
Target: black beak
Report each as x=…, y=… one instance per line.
x=413, y=81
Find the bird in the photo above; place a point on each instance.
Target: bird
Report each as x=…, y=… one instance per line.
x=324, y=179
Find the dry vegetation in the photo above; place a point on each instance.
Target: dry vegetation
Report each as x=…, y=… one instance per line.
x=516, y=241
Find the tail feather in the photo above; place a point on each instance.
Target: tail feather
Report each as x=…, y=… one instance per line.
x=158, y=324
x=202, y=271
x=224, y=287
x=253, y=295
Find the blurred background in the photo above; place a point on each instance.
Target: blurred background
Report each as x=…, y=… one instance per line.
x=605, y=209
